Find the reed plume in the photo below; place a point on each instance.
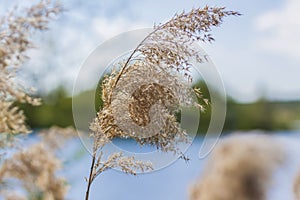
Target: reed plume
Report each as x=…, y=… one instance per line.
x=297, y=187
x=34, y=168
x=147, y=88
x=16, y=30
x=241, y=168
x=159, y=67
x=36, y=173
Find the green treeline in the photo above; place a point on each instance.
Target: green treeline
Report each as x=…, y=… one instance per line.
x=263, y=114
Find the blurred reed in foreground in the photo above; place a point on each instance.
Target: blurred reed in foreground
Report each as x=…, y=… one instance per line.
x=31, y=172
x=240, y=168
x=297, y=186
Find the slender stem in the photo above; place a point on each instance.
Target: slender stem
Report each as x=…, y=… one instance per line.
x=90, y=177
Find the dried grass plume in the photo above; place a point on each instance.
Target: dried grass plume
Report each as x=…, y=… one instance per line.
x=146, y=89
x=16, y=30
x=142, y=96
x=36, y=173
x=297, y=187
x=240, y=168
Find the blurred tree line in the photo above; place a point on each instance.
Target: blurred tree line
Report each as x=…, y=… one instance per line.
x=262, y=114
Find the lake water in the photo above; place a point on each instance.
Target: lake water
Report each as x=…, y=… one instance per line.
x=171, y=182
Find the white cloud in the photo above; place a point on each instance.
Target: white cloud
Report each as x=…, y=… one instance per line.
x=106, y=28
x=280, y=30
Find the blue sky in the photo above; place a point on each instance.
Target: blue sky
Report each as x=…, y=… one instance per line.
x=257, y=54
